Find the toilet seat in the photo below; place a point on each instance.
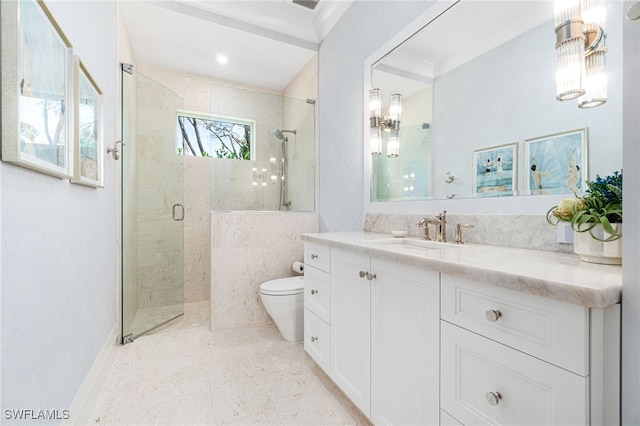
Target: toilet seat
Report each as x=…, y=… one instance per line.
x=283, y=286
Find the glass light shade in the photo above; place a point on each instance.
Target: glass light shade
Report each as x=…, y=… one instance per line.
x=566, y=10
x=594, y=12
x=569, y=69
x=395, y=107
x=393, y=144
x=375, y=141
x=595, y=80
x=374, y=103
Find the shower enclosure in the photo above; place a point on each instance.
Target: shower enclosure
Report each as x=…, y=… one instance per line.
x=281, y=175
x=152, y=206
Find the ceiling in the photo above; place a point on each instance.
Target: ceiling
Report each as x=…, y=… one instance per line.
x=267, y=42
x=445, y=44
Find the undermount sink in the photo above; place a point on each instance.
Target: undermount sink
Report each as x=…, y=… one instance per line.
x=411, y=244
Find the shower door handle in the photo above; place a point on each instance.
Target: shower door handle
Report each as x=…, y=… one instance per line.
x=175, y=210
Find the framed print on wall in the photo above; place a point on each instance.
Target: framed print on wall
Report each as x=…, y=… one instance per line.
x=88, y=168
x=495, y=171
x=36, y=91
x=557, y=164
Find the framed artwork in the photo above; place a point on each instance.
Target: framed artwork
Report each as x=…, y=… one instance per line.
x=557, y=164
x=37, y=102
x=87, y=133
x=495, y=171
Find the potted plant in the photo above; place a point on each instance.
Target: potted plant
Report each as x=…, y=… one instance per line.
x=596, y=219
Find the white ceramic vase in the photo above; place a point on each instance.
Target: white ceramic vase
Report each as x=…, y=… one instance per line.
x=591, y=250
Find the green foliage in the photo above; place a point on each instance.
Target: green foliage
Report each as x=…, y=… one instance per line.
x=602, y=204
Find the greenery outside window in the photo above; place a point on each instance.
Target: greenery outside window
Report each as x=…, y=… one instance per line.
x=204, y=135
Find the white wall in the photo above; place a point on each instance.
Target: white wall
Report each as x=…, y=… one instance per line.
x=631, y=247
x=58, y=255
x=363, y=29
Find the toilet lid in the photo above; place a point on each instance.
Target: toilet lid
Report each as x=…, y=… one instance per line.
x=283, y=286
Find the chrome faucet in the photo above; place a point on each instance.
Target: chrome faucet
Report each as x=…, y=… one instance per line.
x=440, y=222
x=441, y=227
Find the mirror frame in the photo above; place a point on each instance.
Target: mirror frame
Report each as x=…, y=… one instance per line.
x=538, y=204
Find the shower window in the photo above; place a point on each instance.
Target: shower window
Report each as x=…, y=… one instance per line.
x=205, y=135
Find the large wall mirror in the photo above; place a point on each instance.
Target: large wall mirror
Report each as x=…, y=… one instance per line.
x=479, y=110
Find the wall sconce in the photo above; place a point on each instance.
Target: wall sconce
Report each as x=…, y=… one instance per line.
x=580, y=51
x=390, y=123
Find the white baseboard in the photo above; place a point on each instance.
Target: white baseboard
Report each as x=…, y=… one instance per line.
x=84, y=403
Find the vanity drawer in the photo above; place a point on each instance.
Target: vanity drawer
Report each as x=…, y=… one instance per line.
x=318, y=256
x=548, y=329
x=317, y=292
x=317, y=340
x=484, y=382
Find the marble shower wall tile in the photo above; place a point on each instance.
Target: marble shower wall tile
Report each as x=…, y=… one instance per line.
x=197, y=229
x=158, y=188
x=507, y=230
x=247, y=249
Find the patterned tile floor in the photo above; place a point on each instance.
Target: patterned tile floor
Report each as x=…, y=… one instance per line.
x=184, y=374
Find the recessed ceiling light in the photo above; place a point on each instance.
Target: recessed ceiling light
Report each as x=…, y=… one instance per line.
x=222, y=58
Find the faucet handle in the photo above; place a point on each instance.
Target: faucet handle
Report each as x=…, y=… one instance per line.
x=459, y=227
x=424, y=223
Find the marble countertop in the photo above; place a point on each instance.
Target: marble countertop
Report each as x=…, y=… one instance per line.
x=554, y=275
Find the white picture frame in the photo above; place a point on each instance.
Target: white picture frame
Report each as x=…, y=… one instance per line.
x=37, y=98
x=557, y=163
x=88, y=129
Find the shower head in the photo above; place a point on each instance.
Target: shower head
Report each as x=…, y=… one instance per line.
x=280, y=133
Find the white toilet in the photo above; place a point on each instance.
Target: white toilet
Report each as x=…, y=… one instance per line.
x=284, y=301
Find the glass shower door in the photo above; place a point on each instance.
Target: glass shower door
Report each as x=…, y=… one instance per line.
x=152, y=206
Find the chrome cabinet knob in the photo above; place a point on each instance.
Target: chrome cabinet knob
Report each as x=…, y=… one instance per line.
x=493, y=398
x=313, y=339
x=314, y=291
x=362, y=274
x=493, y=315
x=314, y=256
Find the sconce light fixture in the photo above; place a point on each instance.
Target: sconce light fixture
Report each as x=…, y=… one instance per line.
x=580, y=51
x=390, y=123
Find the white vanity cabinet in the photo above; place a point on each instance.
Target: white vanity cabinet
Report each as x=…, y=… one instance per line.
x=509, y=357
x=384, y=337
x=430, y=337
x=317, y=299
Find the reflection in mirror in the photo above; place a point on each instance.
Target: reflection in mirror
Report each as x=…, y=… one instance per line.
x=405, y=177
x=493, y=84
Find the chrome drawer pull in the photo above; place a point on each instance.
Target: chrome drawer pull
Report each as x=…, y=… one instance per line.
x=493, y=398
x=314, y=291
x=313, y=339
x=362, y=274
x=493, y=315
x=314, y=256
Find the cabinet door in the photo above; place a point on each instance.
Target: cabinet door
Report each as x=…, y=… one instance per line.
x=350, y=327
x=405, y=333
